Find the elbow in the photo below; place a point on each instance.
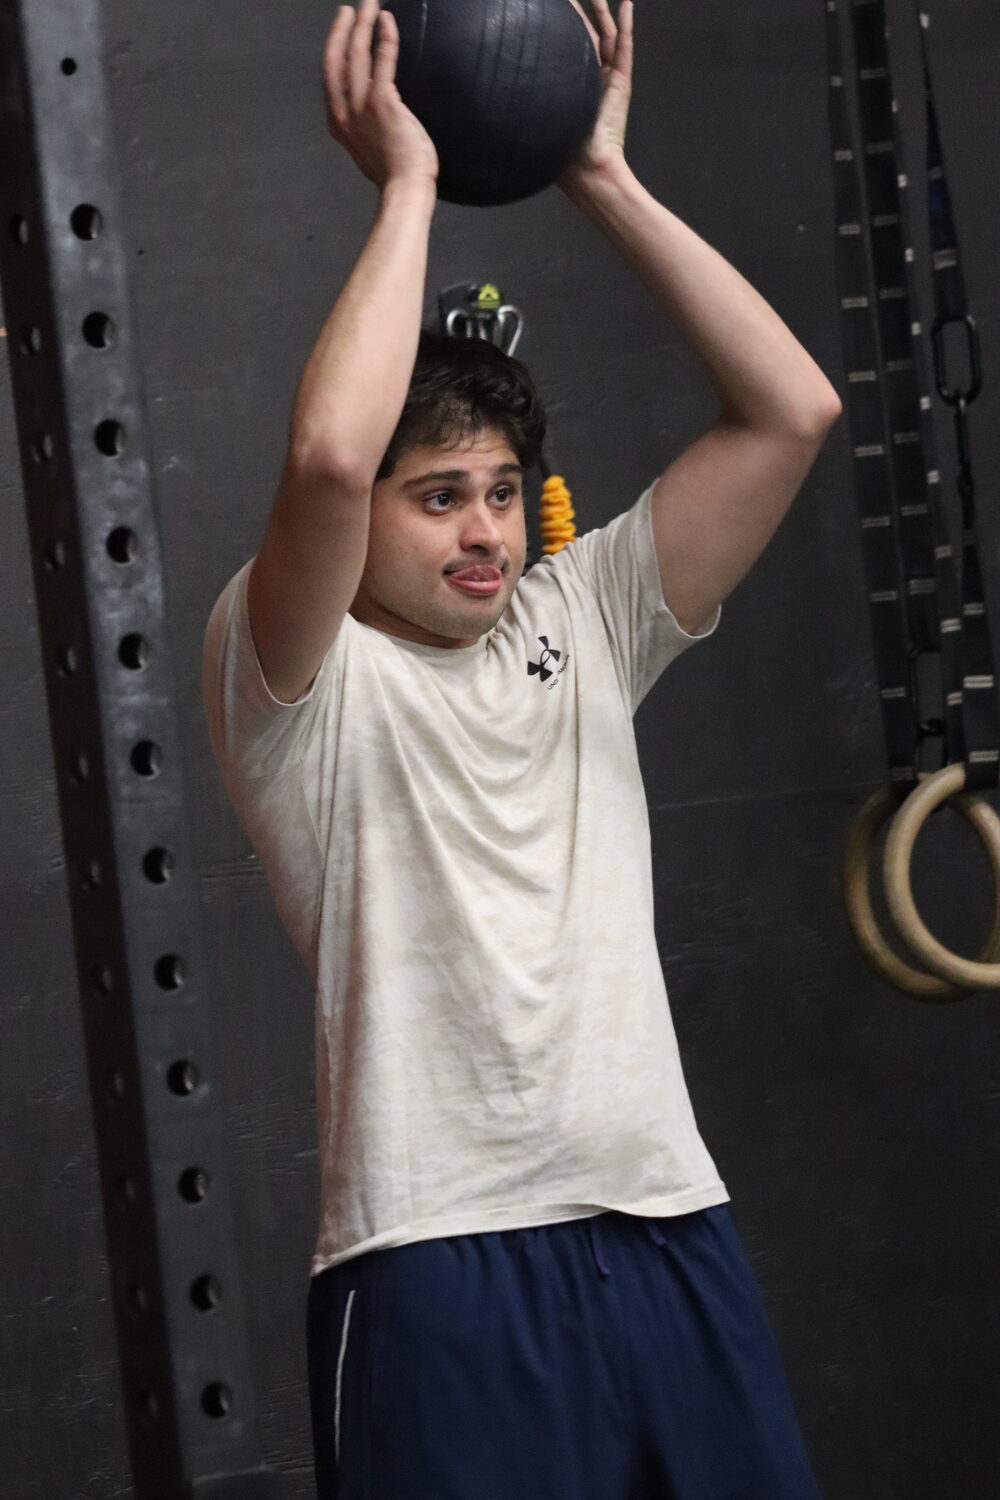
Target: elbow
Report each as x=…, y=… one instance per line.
x=802, y=421
x=814, y=422
x=322, y=460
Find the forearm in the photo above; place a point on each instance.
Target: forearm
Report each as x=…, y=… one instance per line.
x=354, y=386
x=761, y=373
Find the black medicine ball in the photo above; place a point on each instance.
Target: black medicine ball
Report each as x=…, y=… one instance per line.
x=508, y=91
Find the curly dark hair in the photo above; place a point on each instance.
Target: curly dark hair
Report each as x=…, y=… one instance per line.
x=458, y=388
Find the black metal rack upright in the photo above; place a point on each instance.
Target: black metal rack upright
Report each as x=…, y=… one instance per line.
x=110, y=683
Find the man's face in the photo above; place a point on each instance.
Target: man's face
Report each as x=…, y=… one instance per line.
x=444, y=510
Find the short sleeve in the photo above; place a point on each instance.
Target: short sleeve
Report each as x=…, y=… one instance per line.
x=252, y=732
x=618, y=563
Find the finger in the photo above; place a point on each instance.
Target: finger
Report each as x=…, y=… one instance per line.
x=626, y=38
x=360, y=55
x=608, y=31
x=336, y=46
x=387, y=55
x=334, y=61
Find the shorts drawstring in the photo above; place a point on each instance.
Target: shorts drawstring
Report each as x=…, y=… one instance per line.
x=595, y=1244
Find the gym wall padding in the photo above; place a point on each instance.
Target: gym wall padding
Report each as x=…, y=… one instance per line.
x=857, y=1130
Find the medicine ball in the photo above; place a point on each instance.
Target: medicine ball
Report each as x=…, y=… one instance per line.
x=508, y=91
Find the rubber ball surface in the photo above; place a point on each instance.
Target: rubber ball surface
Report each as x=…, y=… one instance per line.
x=508, y=91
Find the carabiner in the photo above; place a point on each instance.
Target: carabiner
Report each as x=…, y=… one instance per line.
x=957, y=396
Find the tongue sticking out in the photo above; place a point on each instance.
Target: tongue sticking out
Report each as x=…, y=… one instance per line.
x=481, y=574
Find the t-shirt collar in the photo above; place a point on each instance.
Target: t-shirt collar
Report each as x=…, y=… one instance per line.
x=445, y=656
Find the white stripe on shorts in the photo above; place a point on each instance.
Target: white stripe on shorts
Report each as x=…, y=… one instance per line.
x=340, y=1372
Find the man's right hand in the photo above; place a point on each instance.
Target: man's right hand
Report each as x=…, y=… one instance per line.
x=366, y=114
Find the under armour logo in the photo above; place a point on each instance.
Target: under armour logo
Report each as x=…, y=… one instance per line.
x=539, y=669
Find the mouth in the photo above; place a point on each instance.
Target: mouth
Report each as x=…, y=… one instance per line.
x=483, y=580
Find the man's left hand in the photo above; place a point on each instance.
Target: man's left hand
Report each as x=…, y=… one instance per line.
x=606, y=145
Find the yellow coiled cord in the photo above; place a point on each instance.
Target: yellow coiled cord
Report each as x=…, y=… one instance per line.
x=557, y=515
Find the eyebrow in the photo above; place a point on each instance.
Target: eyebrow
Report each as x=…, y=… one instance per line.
x=458, y=476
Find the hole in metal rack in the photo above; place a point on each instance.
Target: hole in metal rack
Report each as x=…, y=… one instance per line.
x=109, y=438
x=158, y=866
x=122, y=545
x=66, y=661
x=169, y=972
x=91, y=875
x=149, y=1405
x=19, y=231
x=79, y=767
x=43, y=449
x=146, y=758
x=126, y=1191
x=68, y=66
x=103, y=979
x=98, y=330
x=31, y=340
x=138, y=1297
x=86, y=221
x=134, y=652
x=54, y=556
x=193, y=1185
x=206, y=1293
x=182, y=1078
x=217, y=1400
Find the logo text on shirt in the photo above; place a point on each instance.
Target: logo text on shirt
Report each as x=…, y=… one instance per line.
x=543, y=671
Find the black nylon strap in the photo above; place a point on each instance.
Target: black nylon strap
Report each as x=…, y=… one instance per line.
x=888, y=395
x=980, y=704
x=930, y=579
x=881, y=544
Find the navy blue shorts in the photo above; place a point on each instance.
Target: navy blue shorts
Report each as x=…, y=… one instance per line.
x=611, y=1358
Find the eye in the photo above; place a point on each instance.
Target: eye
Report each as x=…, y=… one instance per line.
x=508, y=495
x=505, y=494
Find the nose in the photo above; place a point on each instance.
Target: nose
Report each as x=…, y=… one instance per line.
x=480, y=529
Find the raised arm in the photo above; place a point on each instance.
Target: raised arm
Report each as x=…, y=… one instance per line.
x=351, y=395
x=717, y=506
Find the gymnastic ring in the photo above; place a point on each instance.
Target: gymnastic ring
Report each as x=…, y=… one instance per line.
x=875, y=813
x=906, y=826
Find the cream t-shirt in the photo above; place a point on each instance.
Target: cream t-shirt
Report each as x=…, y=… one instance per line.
x=458, y=844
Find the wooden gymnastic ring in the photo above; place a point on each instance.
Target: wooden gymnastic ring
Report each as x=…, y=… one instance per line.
x=875, y=813
x=906, y=826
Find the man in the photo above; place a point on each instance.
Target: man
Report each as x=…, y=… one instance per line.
x=526, y=1285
